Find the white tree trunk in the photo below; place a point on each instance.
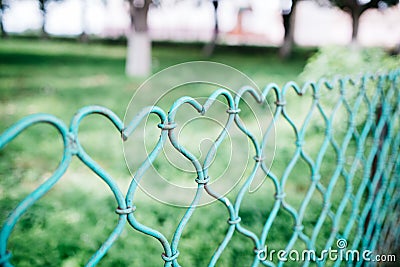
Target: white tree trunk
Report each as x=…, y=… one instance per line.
x=138, y=59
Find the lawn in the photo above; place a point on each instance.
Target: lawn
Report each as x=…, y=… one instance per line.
x=69, y=223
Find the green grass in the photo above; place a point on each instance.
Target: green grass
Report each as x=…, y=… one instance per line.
x=68, y=225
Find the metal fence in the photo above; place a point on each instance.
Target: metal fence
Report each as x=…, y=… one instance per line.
x=357, y=121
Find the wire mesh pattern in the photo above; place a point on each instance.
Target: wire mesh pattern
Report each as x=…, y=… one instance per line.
x=360, y=132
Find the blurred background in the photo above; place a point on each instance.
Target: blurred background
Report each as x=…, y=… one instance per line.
x=193, y=20
x=274, y=23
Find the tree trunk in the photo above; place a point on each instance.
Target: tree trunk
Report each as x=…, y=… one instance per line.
x=3, y=31
x=43, y=33
x=42, y=6
x=288, y=23
x=355, y=17
x=209, y=47
x=138, y=59
x=2, y=8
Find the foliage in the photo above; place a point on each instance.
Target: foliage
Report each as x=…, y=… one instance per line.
x=340, y=60
x=360, y=6
x=357, y=7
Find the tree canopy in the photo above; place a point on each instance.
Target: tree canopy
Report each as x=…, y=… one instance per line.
x=357, y=7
